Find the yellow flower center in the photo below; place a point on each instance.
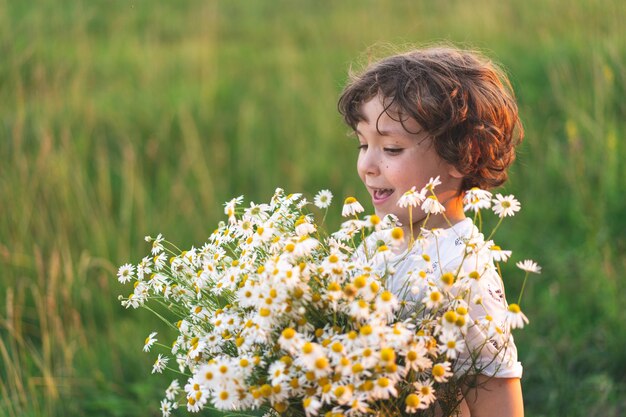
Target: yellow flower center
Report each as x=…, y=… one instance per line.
x=289, y=333
x=321, y=363
x=397, y=233
x=447, y=278
x=438, y=370
x=356, y=368
x=266, y=390
x=360, y=281
x=412, y=400
x=514, y=308
x=450, y=316
x=388, y=355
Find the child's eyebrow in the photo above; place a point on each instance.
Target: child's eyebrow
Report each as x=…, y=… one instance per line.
x=383, y=132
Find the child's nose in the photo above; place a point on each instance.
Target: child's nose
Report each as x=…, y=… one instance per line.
x=369, y=163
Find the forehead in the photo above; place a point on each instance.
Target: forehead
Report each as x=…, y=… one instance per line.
x=382, y=116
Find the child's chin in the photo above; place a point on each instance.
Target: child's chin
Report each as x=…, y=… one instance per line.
x=381, y=213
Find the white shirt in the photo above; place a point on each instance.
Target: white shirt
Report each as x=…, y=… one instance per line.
x=446, y=253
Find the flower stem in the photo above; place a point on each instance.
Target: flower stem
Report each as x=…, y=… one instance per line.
x=519, y=299
x=493, y=232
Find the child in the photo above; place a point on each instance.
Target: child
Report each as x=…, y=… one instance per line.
x=447, y=113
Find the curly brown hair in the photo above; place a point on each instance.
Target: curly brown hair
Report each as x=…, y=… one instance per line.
x=460, y=98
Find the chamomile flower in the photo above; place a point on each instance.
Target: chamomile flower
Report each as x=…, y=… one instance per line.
x=413, y=403
x=529, y=266
x=166, y=408
x=157, y=245
x=197, y=395
x=451, y=344
x=305, y=246
x=373, y=222
x=223, y=398
x=125, y=273
x=144, y=268
x=160, y=364
x=343, y=394
x=386, y=303
x=277, y=372
x=304, y=226
x=476, y=199
x=434, y=298
x=446, y=280
x=160, y=261
x=431, y=205
x=132, y=301
x=417, y=357
x=257, y=212
x=491, y=329
x=290, y=340
x=359, y=310
x=498, y=254
x=441, y=371
x=311, y=406
x=323, y=199
x=382, y=255
x=397, y=236
x=411, y=198
x=384, y=388
x=435, y=233
x=351, y=207
x=515, y=318
x=430, y=186
x=302, y=203
x=505, y=206
x=309, y=354
x=172, y=390
x=150, y=340
x=426, y=391
x=229, y=208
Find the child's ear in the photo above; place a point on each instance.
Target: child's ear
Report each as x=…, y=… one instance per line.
x=455, y=173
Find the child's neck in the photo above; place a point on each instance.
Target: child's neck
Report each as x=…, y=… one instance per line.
x=453, y=214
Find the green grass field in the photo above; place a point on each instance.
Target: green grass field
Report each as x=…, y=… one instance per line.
x=125, y=118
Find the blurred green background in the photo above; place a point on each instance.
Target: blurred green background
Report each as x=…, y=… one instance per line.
x=125, y=118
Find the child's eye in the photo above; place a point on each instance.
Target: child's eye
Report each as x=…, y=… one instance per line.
x=394, y=151
x=362, y=146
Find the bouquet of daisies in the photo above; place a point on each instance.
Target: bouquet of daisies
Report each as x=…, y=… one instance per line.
x=273, y=313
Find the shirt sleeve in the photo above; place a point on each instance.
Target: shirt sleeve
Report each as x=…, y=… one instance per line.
x=494, y=356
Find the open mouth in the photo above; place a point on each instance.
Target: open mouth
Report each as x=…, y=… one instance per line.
x=381, y=193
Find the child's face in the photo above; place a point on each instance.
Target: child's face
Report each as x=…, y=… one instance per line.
x=394, y=160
